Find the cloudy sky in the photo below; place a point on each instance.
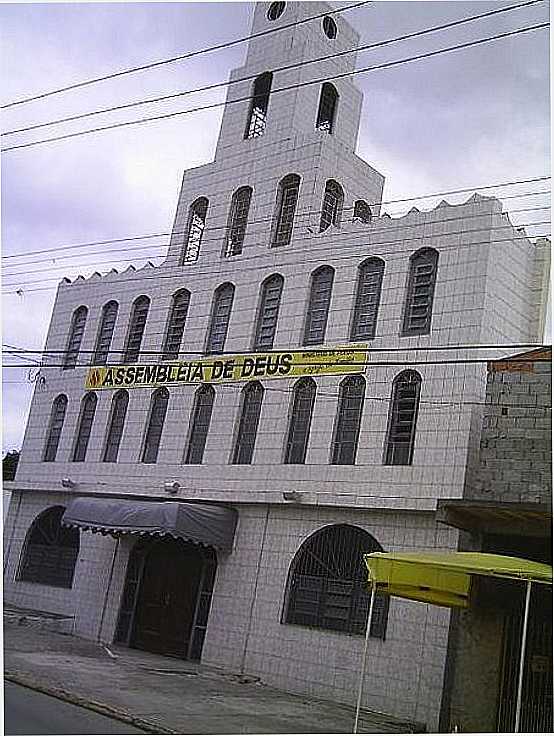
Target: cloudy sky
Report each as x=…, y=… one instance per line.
x=465, y=119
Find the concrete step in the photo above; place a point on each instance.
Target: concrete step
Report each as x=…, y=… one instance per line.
x=39, y=619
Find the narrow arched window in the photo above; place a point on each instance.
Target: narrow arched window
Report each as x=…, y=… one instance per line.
x=219, y=320
x=257, y=115
x=368, y=295
x=399, y=444
x=158, y=410
x=303, y=399
x=318, y=305
x=120, y=402
x=287, y=198
x=105, y=333
x=268, y=312
x=50, y=551
x=176, y=324
x=137, y=323
x=78, y=322
x=88, y=409
x=331, y=210
x=327, y=108
x=200, y=425
x=419, y=295
x=194, y=230
x=362, y=212
x=327, y=584
x=238, y=219
x=347, y=423
x=252, y=397
x=55, y=426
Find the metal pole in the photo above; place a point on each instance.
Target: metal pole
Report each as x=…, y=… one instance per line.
x=522, y=656
x=362, y=672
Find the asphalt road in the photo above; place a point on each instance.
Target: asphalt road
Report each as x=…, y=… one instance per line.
x=31, y=713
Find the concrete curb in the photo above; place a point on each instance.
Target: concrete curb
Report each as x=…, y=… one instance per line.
x=101, y=708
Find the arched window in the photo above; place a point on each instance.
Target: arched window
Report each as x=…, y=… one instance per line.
x=331, y=209
x=399, y=444
x=88, y=409
x=257, y=115
x=158, y=410
x=50, y=551
x=368, y=295
x=219, y=321
x=318, y=305
x=287, y=198
x=252, y=397
x=362, y=212
x=419, y=295
x=268, y=312
x=349, y=417
x=303, y=399
x=137, y=323
x=327, y=585
x=327, y=108
x=195, y=229
x=201, y=418
x=275, y=10
x=120, y=402
x=176, y=324
x=105, y=333
x=78, y=322
x=238, y=219
x=55, y=426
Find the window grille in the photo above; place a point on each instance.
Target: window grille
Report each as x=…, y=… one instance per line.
x=399, y=446
x=120, y=403
x=105, y=333
x=202, y=415
x=57, y=418
x=368, y=295
x=139, y=314
x=252, y=397
x=78, y=322
x=327, y=108
x=318, y=305
x=300, y=421
x=158, y=410
x=331, y=209
x=420, y=292
x=238, y=219
x=327, y=584
x=176, y=324
x=257, y=115
x=362, y=212
x=287, y=199
x=195, y=230
x=349, y=415
x=88, y=409
x=219, y=322
x=268, y=312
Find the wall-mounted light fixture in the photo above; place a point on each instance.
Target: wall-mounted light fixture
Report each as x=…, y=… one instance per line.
x=172, y=486
x=292, y=496
x=68, y=483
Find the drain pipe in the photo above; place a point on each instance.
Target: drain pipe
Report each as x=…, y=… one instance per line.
x=364, y=656
x=522, y=656
x=109, y=585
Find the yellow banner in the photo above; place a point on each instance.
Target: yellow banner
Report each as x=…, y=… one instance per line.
x=230, y=368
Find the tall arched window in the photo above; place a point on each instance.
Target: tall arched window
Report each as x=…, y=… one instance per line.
x=257, y=115
x=57, y=417
x=362, y=212
x=200, y=425
x=327, y=584
x=287, y=198
x=120, y=402
x=399, y=444
x=331, y=210
x=327, y=108
x=419, y=294
x=303, y=399
x=195, y=229
x=158, y=410
x=368, y=295
x=78, y=322
x=268, y=312
x=219, y=320
x=318, y=305
x=88, y=409
x=252, y=397
x=50, y=551
x=137, y=323
x=238, y=219
x=349, y=417
x=176, y=324
x=105, y=333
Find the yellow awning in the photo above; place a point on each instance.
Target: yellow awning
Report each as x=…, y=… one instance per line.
x=444, y=578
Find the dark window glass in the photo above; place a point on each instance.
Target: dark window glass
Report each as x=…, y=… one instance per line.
x=420, y=292
x=195, y=230
x=248, y=427
x=368, y=295
x=349, y=416
x=287, y=198
x=327, y=586
x=399, y=446
x=158, y=410
x=329, y=27
x=257, y=116
x=88, y=409
x=238, y=219
x=300, y=421
x=268, y=312
x=78, y=322
x=202, y=415
x=120, y=403
x=57, y=417
x=176, y=325
x=331, y=210
x=362, y=212
x=105, y=333
x=275, y=10
x=139, y=314
x=219, y=322
x=318, y=305
x=327, y=108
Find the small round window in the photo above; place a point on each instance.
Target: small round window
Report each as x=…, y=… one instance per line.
x=329, y=26
x=275, y=10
